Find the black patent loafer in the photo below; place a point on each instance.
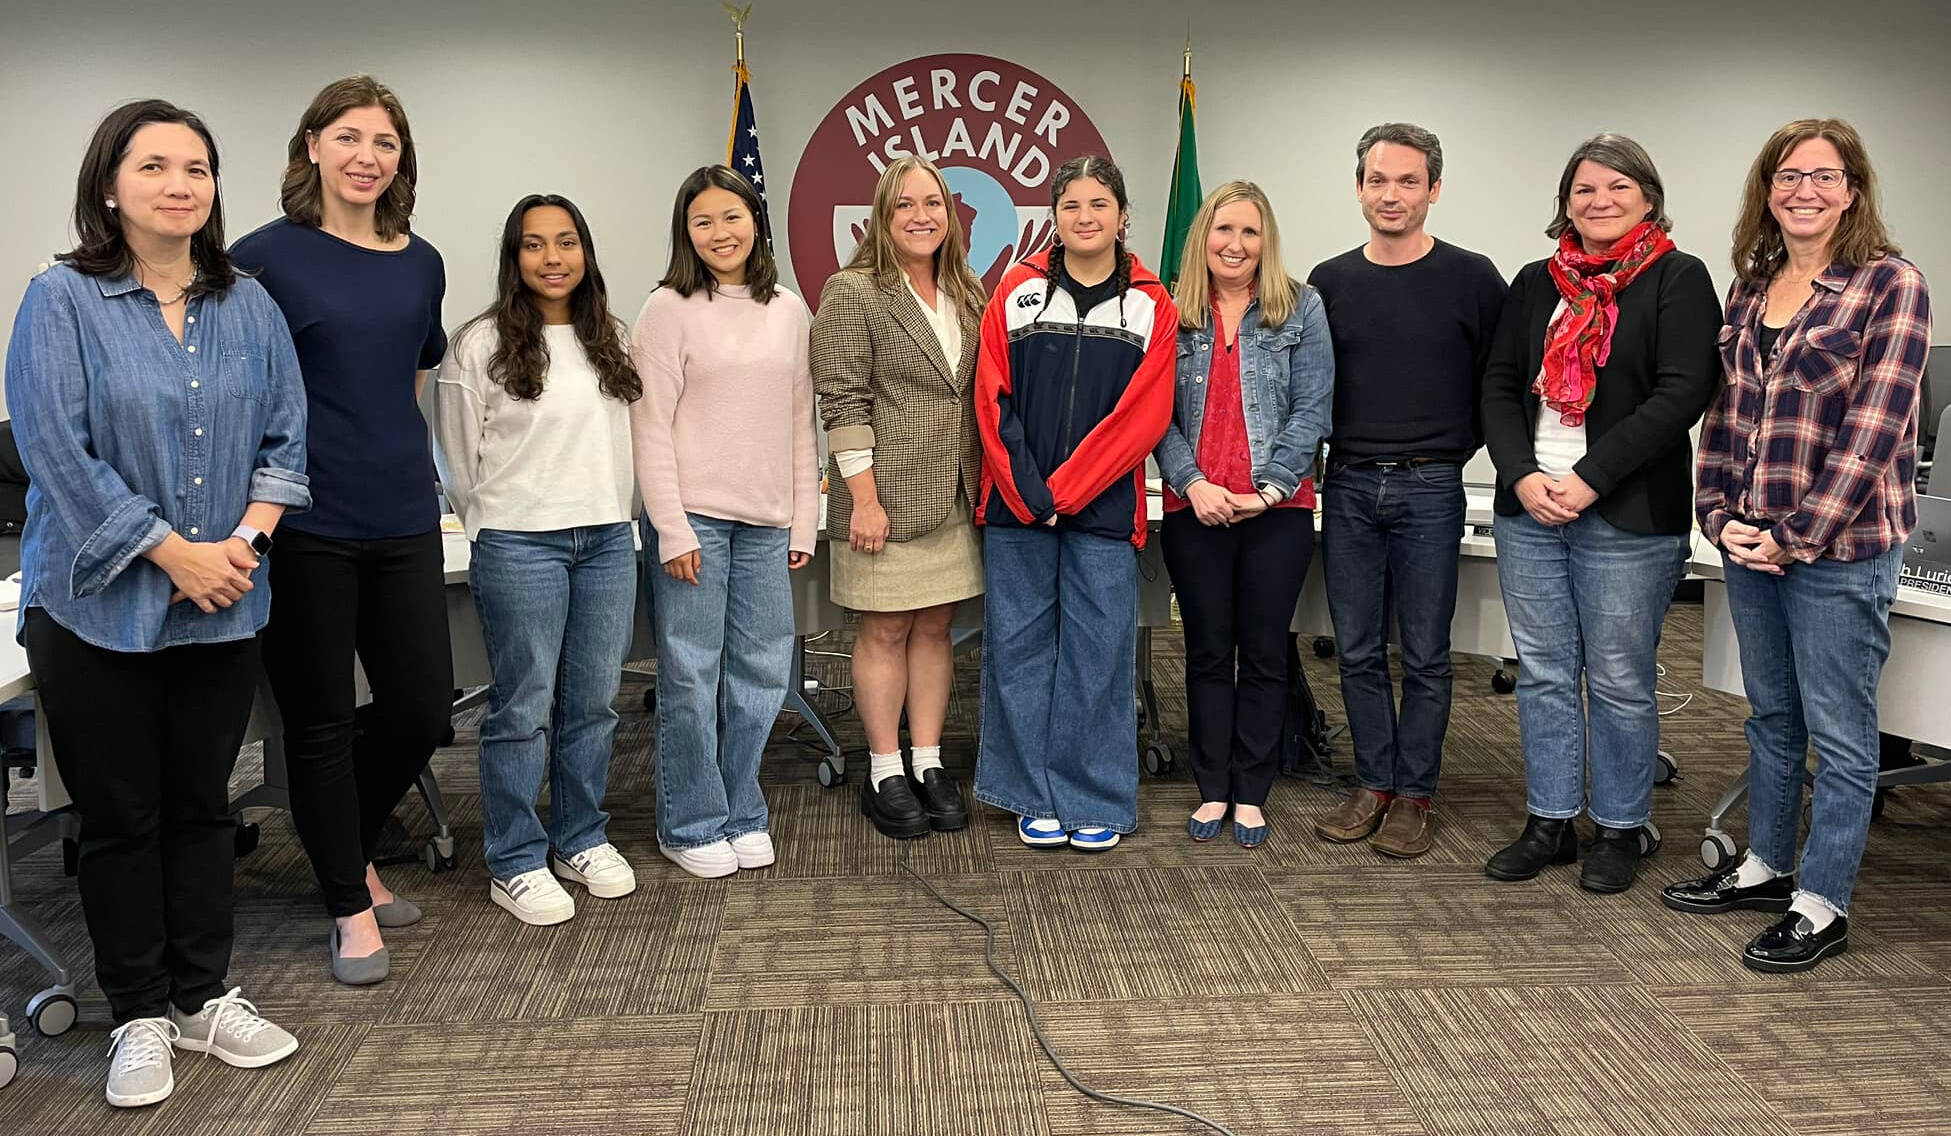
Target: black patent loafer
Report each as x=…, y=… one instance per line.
x=1711, y=895
x=941, y=799
x=1794, y=945
x=1544, y=842
x=1611, y=861
x=893, y=808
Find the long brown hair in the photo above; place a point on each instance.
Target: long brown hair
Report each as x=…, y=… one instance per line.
x=1105, y=171
x=688, y=273
x=1276, y=290
x=302, y=197
x=1860, y=237
x=103, y=249
x=875, y=253
x=521, y=354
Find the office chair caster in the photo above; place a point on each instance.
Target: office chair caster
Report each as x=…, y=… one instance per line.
x=1665, y=769
x=1159, y=760
x=9, y=1060
x=1503, y=682
x=244, y=842
x=650, y=700
x=53, y=1011
x=438, y=854
x=1649, y=838
x=830, y=773
x=1716, y=850
x=1324, y=647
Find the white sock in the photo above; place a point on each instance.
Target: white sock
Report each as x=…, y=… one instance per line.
x=924, y=758
x=1752, y=871
x=1813, y=908
x=881, y=766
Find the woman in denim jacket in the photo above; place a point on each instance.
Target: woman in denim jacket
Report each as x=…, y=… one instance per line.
x=1239, y=495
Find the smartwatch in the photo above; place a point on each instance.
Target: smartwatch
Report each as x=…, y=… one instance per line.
x=259, y=541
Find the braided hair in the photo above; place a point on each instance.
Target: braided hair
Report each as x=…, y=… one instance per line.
x=1104, y=170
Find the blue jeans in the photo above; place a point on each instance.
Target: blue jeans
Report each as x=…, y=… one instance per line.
x=1059, y=660
x=1389, y=544
x=724, y=654
x=1813, y=643
x=1587, y=600
x=555, y=612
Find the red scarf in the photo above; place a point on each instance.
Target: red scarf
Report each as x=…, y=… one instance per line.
x=1579, y=340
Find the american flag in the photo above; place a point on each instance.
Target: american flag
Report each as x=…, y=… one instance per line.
x=742, y=152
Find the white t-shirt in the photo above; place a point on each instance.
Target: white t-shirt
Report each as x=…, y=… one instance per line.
x=532, y=465
x=1556, y=446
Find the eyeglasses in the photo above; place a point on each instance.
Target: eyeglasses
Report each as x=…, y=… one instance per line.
x=1824, y=178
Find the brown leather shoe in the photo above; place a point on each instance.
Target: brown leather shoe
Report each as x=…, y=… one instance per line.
x=1353, y=819
x=1407, y=830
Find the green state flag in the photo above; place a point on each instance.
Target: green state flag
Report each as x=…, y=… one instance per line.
x=1184, y=199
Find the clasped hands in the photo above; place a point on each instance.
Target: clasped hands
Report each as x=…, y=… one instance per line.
x=1221, y=507
x=1754, y=548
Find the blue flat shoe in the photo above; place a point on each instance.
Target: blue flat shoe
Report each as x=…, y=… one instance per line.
x=1204, y=830
x=1249, y=836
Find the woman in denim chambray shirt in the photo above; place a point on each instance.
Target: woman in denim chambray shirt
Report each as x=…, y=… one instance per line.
x=156, y=399
x=1255, y=394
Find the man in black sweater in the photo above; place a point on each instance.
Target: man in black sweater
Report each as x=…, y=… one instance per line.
x=1411, y=318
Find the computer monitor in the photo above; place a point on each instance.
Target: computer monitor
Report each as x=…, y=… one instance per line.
x=1927, y=554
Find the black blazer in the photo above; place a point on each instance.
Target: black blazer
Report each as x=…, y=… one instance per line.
x=1664, y=370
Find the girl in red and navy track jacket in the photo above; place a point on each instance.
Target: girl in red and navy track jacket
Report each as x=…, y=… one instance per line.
x=1074, y=388
x=1072, y=385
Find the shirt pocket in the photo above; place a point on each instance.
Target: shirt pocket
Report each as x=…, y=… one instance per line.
x=1827, y=361
x=1730, y=342
x=244, y=374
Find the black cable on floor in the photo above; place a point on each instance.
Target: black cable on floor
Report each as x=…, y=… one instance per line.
x=1029, y=1010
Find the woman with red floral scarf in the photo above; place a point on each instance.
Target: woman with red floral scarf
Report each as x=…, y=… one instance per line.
x=1604, y=359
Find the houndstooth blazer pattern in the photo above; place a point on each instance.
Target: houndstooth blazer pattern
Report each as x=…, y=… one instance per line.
x=884, y=385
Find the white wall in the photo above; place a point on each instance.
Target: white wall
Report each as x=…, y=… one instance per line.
x=612, y=101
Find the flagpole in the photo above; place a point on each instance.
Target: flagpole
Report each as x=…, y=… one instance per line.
x=740, y=77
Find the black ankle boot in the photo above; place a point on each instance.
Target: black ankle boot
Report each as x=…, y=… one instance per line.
x=1544, y=842
x=1612, y=860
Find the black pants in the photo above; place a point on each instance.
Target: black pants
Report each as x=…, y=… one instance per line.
x=145, y=743
x=1237, y=587
x=384, y=600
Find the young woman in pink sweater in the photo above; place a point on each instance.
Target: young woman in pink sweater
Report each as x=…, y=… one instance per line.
x=725, y=457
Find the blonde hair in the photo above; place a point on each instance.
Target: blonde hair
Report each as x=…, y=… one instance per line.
x=875, y=254
x=1860, y=236
x=1277, y=291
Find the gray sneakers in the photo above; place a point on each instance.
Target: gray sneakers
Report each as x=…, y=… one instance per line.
x=139, y=1071
x=229, y=1029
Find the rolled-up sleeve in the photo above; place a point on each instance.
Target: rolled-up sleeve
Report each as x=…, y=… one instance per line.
x=47, y=397
x=278, y=477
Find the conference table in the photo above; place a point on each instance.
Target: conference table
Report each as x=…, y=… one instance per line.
x=1911, y=700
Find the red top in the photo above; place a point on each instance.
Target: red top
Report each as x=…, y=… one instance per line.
x=1224, y=455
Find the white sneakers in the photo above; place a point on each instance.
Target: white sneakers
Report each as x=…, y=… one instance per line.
x=536, y=898
x=753, y=849
x=723, y=857
x=227, y=1028
x=707, y=861
x=601, y=869
x=533, y=897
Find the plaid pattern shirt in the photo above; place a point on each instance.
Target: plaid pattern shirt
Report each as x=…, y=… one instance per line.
x=1819, y=441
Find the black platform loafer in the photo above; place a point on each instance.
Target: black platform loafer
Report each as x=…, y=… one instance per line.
x=1611, y=860
x=941, y=799
x=1711, y=895
x=1794, y=945
x=1543, y=842
x=893, y=808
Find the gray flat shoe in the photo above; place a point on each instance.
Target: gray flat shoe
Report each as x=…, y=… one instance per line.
x=399, y=913
x=359, y=971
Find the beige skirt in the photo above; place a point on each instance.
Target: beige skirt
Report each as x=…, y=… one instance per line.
x=944, y=566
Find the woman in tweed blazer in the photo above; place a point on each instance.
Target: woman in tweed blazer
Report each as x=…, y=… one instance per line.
x=893, y=353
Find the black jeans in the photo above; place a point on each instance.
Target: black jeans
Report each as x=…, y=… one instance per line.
x=384, y=600
x=1237, y=587
x=1389, y=543
x=145, y=742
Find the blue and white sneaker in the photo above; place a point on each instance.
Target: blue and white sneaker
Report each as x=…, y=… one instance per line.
x=1093, y=839
x=1041, y=832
